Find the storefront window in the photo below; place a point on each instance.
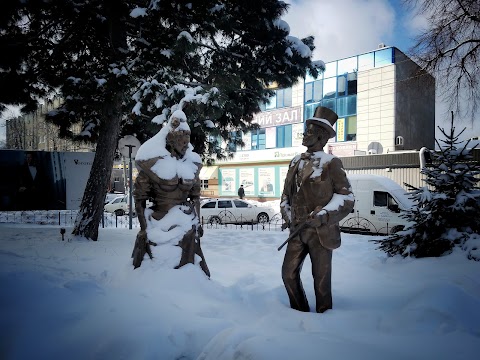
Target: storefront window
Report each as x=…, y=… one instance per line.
x=351, y=128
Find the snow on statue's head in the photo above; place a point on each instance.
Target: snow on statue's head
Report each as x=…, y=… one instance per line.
x=174, y=134
x=178, y=136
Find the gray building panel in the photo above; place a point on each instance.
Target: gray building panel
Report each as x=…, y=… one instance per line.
x=414, y=104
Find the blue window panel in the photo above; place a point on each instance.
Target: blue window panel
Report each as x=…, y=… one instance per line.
x=352, y=105
x=310, y=110
x=352, y=83
x=317, y=90
x=287, y=98
x=347, y=106
x=342, y=107
x=309, y=78
x=308, y=93
x=258, y=139
x=366, y=61
x=288, y=135
x=280, y=136
x=330, y=69
x=347, y=65
x=383, y=57
x=284, y=136
x=330, y=103
x=262, y=140
x=272, y=104
x=329, y=88
x=313, y=91
x=342, y=85
x=281, y=99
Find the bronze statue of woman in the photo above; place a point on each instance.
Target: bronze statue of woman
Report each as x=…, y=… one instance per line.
x=169, y=176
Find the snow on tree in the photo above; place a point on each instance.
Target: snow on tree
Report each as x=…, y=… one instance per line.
x=118, y=64
x=446, y=211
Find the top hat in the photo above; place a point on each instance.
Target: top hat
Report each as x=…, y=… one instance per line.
x=325, y=118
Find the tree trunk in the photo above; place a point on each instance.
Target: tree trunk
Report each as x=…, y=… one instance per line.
x=91, y=208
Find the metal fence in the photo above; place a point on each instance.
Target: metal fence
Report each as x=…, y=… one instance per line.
x=224, y=220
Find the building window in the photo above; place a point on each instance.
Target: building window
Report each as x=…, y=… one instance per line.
x=330, y=103
x=310, y=110
x=366, y=61
x=342, y=85
x=347, y=65
x=234, y=137
x=383, y=57
x=351, y=127
x=314, y=91
x=329, y=88
x=352, y=83
x=214, y=141
x=347, y=106
x=330, y=69
x=258, y=139
x=284, y=136
x=203, y=184
x=281, y=99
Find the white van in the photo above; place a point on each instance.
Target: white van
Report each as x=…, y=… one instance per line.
x=378, y=202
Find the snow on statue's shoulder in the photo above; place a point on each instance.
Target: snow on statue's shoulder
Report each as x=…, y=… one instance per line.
x=321, y=158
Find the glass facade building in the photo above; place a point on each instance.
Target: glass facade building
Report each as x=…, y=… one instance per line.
x=378, y=97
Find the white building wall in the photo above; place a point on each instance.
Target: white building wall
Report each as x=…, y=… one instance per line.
x=298, y=95
x=376, y=110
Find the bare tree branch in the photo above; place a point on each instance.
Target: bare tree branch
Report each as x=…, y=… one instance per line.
x=450, y=49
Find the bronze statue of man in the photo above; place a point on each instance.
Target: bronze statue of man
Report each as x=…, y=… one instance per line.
x=316, y=196
x=169, y=176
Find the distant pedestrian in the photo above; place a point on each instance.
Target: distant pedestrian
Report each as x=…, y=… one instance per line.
x=241, y=192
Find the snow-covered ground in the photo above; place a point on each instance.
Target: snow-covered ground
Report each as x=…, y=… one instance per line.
x=77, y=299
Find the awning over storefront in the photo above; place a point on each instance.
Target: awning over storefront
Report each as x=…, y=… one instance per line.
x=209, y=172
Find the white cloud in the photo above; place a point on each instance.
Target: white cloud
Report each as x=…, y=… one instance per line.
x=342, y=28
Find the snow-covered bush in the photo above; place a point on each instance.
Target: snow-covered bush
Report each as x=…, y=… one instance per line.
x=446, y=214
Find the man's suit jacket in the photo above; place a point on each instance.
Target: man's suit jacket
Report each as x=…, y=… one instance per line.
x=313, y=183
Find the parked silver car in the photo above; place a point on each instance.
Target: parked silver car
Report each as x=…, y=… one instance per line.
x=118, y=205
x=234, y=211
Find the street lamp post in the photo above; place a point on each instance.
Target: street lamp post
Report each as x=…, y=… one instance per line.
x=130, y=196
x=131, y=143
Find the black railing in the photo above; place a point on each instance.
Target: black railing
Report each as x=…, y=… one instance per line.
x=223, y=220
x=62, y=218
x=356, y=224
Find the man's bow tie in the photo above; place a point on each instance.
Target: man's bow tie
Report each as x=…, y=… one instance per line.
x=306, y=156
